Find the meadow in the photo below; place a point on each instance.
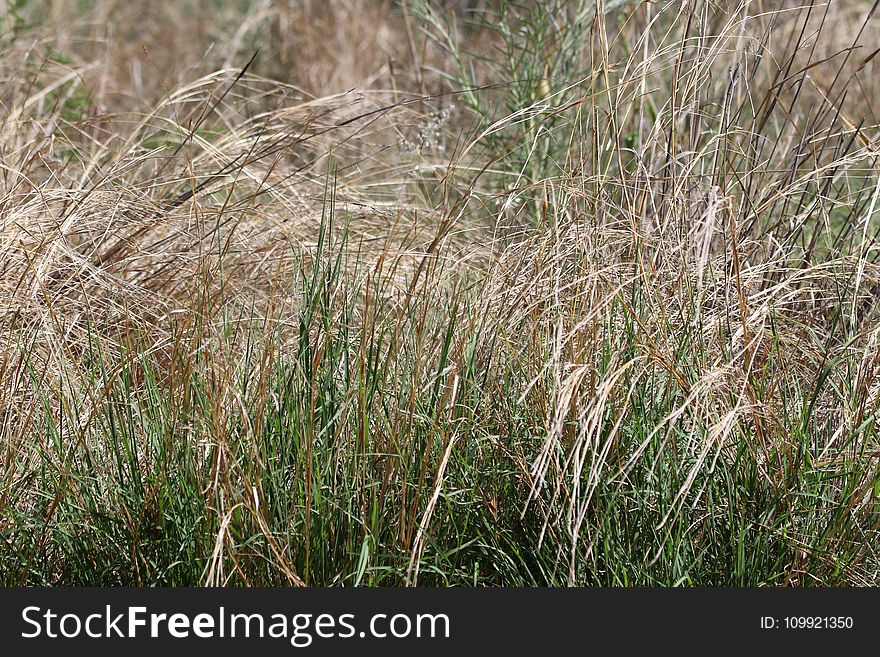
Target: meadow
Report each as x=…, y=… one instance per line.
x=439, y=293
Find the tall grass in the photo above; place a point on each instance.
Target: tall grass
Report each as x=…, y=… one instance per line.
x=559, y=294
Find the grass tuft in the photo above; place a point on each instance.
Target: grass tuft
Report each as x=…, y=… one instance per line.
x=547, y=294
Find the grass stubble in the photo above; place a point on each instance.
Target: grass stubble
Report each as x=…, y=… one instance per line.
x=508, y=294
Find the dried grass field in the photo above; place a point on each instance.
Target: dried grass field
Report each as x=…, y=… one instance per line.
x=462, y=292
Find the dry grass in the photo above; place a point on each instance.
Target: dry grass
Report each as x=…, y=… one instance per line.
x=479, y=294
